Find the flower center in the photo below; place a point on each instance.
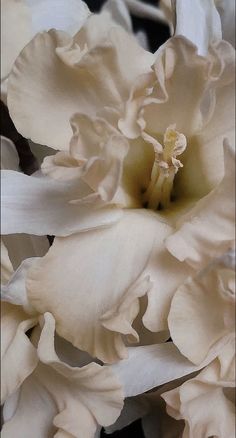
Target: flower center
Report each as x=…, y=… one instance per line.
x=157, y=196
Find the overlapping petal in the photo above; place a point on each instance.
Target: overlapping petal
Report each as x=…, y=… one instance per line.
x=107, y=272
x=72, y=75
x=209, y=388
x=42, y=206
x=202, y=312
x=77, y=399
x=208, y=229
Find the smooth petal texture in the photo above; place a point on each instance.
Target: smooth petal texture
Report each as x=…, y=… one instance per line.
x=209, y=389
x=6, y=266
x=19, y=246
x=111, y=261
x=202, y=313
x=9, y=155
x=18, y=355
x=70, y=15
x=78, y=399
x=166, y=275
x=86, y=76
x=15, y=32
x=154, y=365
x=40, y=206
x=199, y=22
x=208, y=229
x=14, y=291
x=119, y=12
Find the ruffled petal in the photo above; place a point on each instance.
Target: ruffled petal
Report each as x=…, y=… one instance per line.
x=63, y=77
x=42, y=206
x=113, y=261
x=75, y=399
x=202, y=312
x=208, y=229
x=18, y=355
x=189, y=401
x=97, y=152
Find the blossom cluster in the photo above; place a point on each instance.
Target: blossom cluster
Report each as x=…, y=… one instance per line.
x=130, y=312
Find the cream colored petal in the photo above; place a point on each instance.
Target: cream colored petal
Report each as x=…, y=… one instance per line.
x=60, y=83
x=97, y=152
x=34, y=411
x=19, y=246
x=119, y=13
x=15, y=32
x=203, y=161
x=14, y=291
x=9, y=155
x=208, y=229
x=150, y=366
x=166, y=275
x=110, y=261
x=6, y=266
x=75, y=400
x=199, y=22
x=189, y=401
x=70, y=15
x=202, y=312
x=18, y=355
x=179, y=69
x=42, y=206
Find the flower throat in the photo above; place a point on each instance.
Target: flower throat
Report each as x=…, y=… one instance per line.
x=157, y=196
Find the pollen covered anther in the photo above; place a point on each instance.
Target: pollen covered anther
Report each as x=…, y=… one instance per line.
x=165, y=167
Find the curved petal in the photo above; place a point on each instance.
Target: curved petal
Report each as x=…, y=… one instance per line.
x=18, y=356
x=62, y=79
x=15, y=32
x=154, y=365
x=166, y=275
x=208, y=229
x=6, y=266
x=70, y=15
x=202, y=312
x=199, y=22
x=75, y=399
x=113, y=261
x=189, y=402
x=42, y=206
x=9, y=155
x=119, y=12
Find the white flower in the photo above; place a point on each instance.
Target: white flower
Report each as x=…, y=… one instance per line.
x=140, y=139
x=71, y=393
x=206, y=401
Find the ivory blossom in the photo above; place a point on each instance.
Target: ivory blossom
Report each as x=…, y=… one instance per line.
x=139, y=196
